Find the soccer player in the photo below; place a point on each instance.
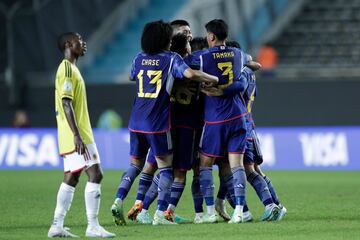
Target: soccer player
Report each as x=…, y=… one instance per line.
x=253, y=155
x=154, y=71
x=224, y=132
x=181, y=26
x=184, y=121
x=147, y=174
x=76, y=140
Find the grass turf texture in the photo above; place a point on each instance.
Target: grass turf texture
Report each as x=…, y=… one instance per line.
x=321, y=205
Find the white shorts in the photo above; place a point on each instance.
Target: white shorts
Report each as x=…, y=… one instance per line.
x=74, y=162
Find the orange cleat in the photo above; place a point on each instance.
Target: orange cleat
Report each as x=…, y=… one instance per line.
x=134, y=211
x=169, y=215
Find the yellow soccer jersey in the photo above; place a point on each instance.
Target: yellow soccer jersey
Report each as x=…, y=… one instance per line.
x=70, y=84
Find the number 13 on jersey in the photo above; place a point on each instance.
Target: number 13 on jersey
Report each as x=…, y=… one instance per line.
x=155, y=78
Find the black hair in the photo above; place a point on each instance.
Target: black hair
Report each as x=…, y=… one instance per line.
x=233, y=43
x=63, y=38
x=156, y=37
x=198, y=43
x=219, y=28
x=179, y=22
x=178, y=44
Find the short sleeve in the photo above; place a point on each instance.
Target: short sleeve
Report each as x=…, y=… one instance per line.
x=179, y=67
x=194, y=60
x=67, y=81
x=132, y=71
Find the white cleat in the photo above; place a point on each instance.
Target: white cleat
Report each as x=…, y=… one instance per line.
x=198, y=218
x=98, y=231
x=220, y=208
x=55, y=231
x=247, y=217
x=282, y=212
x=237, y=217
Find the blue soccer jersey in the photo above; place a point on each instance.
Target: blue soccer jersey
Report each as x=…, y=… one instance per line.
x=250, y=93
x=187, y=107
x=226, y=63
x=154, y=76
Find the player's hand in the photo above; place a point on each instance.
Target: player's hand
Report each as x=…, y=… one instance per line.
x=206, y=85
x=213, y=92
x=80, y=147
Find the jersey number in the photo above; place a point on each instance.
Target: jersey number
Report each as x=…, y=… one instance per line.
x=155, y=78
x=226, y=67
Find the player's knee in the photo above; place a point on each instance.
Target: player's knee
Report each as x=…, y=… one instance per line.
x=96, y=177
x=179, y=176
x=249, y=168
x=71, y=179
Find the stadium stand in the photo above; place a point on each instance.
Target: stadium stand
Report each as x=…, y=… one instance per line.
x=324, y=34
x=115, y=61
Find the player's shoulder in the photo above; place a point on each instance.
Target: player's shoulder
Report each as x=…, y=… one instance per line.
x=65, y=68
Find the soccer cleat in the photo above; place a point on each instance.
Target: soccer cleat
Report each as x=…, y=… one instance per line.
x=55, y=231
x=206, y=218
x=169, y=215
x=117, y=212
x=134, y=211
x=282, y=212
x=144, y=218
x=98, y=231
x=271, y=213
x=161, y=220
x=197, y=218
x=247, y=217
x=180, y=219
x=237, y=217
x=220, y=208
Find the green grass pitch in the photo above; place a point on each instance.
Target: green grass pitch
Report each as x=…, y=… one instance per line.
x=321, y=205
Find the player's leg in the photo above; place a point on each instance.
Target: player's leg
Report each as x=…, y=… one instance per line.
x=138, y=150
x=196, y=192
x=272, y=190
x=73, y=165
x=183, y=154
x=195, y=184
x=150, y=196
x=258, y=183
x=226, y=186
x=211, y=148
x=93, y=195
x=161, y=144
x=236, y=149
x=177, y=188
x=145, y=181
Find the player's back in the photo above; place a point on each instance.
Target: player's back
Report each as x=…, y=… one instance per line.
x=250, y=93
x=154, y=76
x=226, y=63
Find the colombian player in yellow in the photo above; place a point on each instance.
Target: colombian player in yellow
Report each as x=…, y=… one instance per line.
x=76, y=141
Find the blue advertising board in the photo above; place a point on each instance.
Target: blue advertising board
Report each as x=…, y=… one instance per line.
x=329, y=148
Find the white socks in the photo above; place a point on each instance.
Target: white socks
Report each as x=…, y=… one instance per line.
x=210, y=209
x=238, y=209
x=92, y=203
x=63, y=202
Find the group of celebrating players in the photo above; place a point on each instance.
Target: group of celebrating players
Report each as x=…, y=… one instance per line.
x=192, y=110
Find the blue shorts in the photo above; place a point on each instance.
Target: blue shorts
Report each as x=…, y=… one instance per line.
x=183, y=140
x=221, y=139
x=150, y=157
x=253, y=152
x=160, y=144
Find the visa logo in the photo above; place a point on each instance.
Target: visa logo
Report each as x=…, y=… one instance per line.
x=28, y=150
x=324, y=149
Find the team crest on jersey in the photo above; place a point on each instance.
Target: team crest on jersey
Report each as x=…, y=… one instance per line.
x=67, y=86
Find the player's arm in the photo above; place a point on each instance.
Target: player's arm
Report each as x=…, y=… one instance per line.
x=80, y=146
x=239, y=85
x=200, y=76
x=253, y=65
